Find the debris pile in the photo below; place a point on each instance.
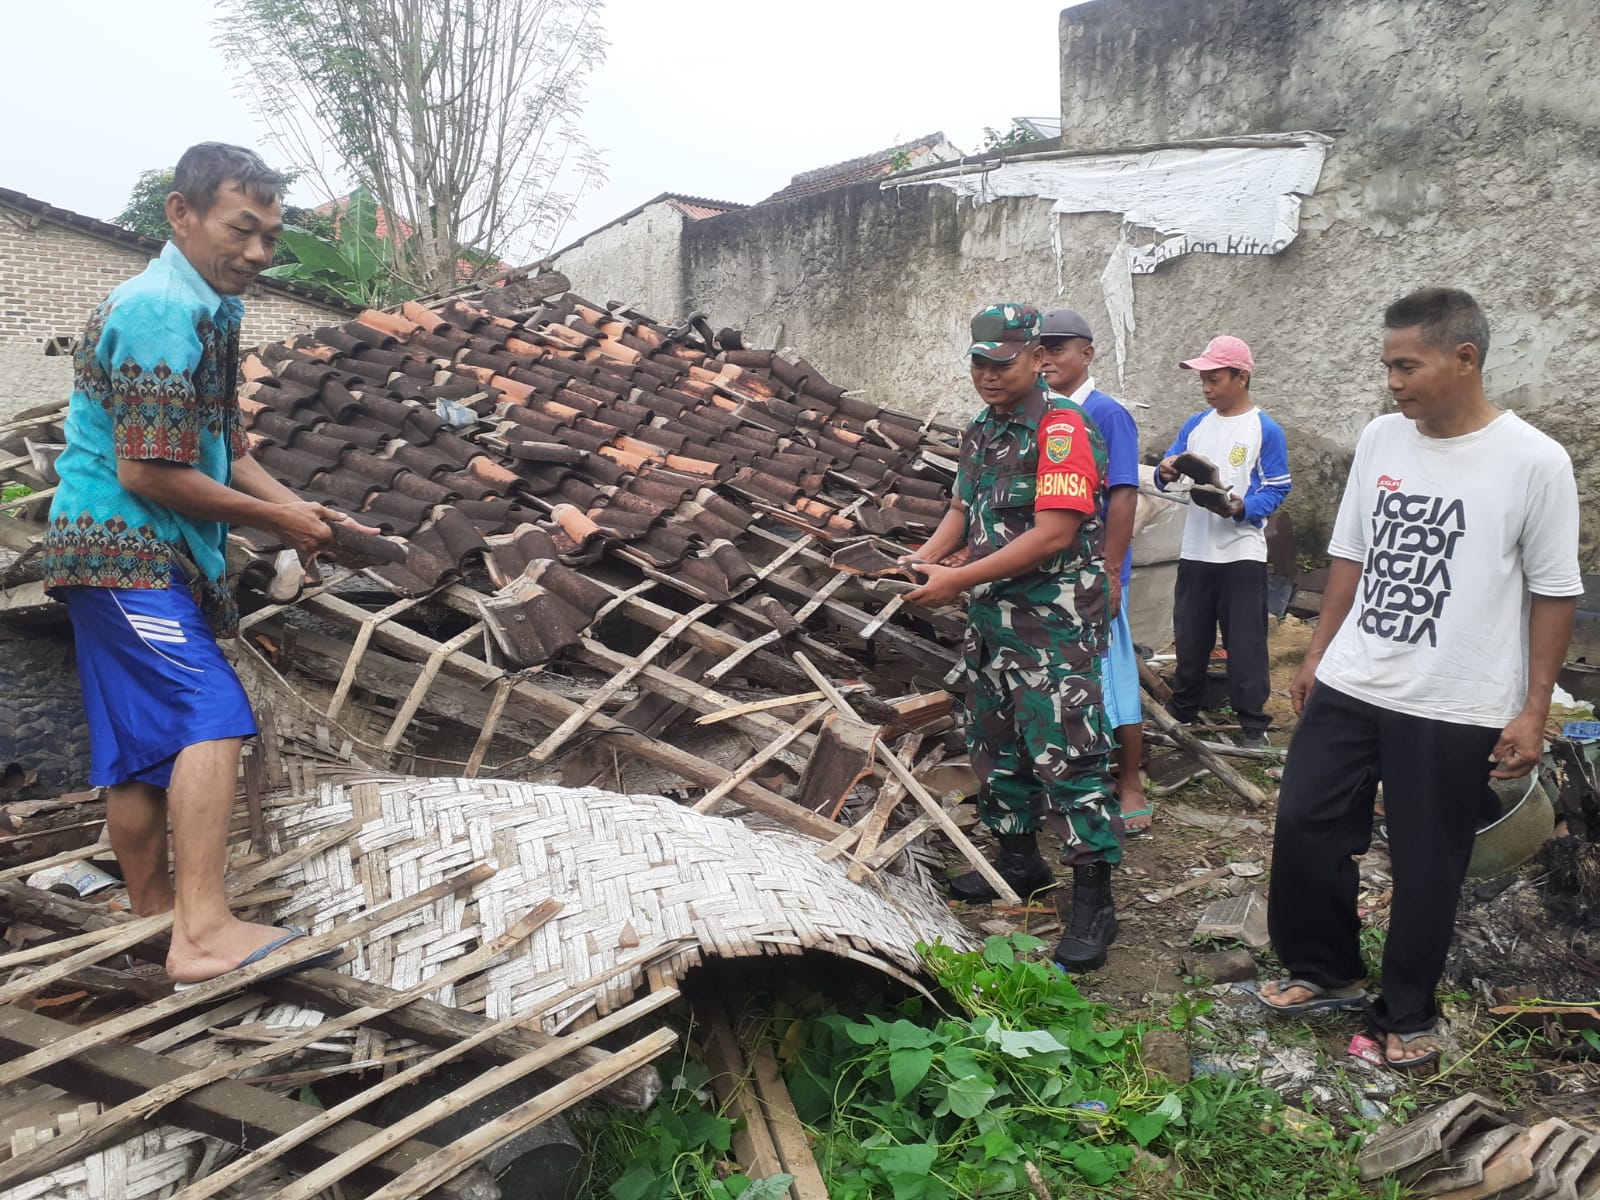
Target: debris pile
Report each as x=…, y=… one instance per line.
x=1468, y=1149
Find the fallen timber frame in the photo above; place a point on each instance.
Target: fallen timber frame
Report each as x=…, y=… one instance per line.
x=552, y=709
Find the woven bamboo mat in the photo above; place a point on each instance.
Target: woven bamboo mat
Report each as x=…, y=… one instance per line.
x=633, y=873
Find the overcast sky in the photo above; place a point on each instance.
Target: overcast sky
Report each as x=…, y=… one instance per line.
x=721, y=98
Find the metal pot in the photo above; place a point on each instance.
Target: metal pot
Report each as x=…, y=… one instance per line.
x=1527, y=821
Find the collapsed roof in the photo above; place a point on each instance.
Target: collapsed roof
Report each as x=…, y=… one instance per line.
x=559, y=483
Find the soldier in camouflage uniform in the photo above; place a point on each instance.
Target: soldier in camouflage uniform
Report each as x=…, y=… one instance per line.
x=1025, y=507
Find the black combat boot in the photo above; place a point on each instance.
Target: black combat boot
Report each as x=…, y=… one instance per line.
x=1020, y=864
x=1094, y=920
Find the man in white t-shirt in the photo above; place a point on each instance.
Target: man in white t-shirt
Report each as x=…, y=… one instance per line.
x=1449, y=605
x=1222, y=567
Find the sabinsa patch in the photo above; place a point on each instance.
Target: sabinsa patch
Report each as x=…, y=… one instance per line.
x=1075, y=487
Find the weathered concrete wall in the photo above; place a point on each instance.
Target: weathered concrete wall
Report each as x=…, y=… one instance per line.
x=635, y=261
x=1467, y=155
x=29, y=378
x=52, y=276
x=1465, y=143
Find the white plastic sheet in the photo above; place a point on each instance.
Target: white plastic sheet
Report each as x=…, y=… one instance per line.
x=1241, y=196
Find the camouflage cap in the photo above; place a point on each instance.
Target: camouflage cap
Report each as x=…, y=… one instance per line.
x=1003, y=331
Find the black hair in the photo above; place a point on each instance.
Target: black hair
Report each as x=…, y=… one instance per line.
x=1238, y=371
x=1447, y=317
x=204, y=168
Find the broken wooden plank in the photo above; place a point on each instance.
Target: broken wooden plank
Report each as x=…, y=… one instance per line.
x=347, y=676
x=712, y=800
x=620, y=679
x=237, y=1113
x=878, y=820
x=931, y=806
x=730, y=1080
x=497, y=710
x=691, y=695
x=788, y=1132
x=1220, y=767
x=757, y=706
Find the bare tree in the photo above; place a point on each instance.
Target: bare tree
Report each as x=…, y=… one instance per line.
x=459, y=115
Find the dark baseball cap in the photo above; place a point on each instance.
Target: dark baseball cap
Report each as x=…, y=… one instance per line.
x=1003, y=331
x=1064, y=323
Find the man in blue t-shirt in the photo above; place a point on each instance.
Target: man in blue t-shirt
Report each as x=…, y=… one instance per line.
x=155, y=471
x=1067, y=352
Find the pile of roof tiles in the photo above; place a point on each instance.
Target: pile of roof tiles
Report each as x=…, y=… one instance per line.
x=531, y=442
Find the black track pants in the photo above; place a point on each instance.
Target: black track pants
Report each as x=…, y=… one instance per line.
x=1234, y=597
x=1433, y=774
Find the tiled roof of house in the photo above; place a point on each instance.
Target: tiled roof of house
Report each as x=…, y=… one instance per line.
x=554, y=436
x=859, y=170
x=696, y=208
x=137, y=241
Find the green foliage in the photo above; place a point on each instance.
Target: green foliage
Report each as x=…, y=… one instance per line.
x=1017, y=135
x=14, y=491
x=358, y=266
x=912, y=1102
x=674, y=1152
x=146, y=211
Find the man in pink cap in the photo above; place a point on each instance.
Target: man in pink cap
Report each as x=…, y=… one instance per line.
x=1237, y=457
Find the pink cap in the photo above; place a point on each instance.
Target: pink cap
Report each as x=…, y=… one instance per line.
x=1220, y=352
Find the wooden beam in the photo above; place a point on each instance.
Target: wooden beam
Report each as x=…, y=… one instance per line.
x=1220, y=767
x=486, y=1085
x=552, y=709
x=236, y=1113
x=451, y=1160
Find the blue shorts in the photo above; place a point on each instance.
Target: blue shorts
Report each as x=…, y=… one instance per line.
x=1119, y=674
x=154, y=681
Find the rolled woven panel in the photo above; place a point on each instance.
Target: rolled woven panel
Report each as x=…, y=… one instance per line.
x=632, y=873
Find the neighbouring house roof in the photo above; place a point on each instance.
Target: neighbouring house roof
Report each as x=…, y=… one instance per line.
x=106, y=231
x=466, y=272
x=933, y=147
x=696, y=208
